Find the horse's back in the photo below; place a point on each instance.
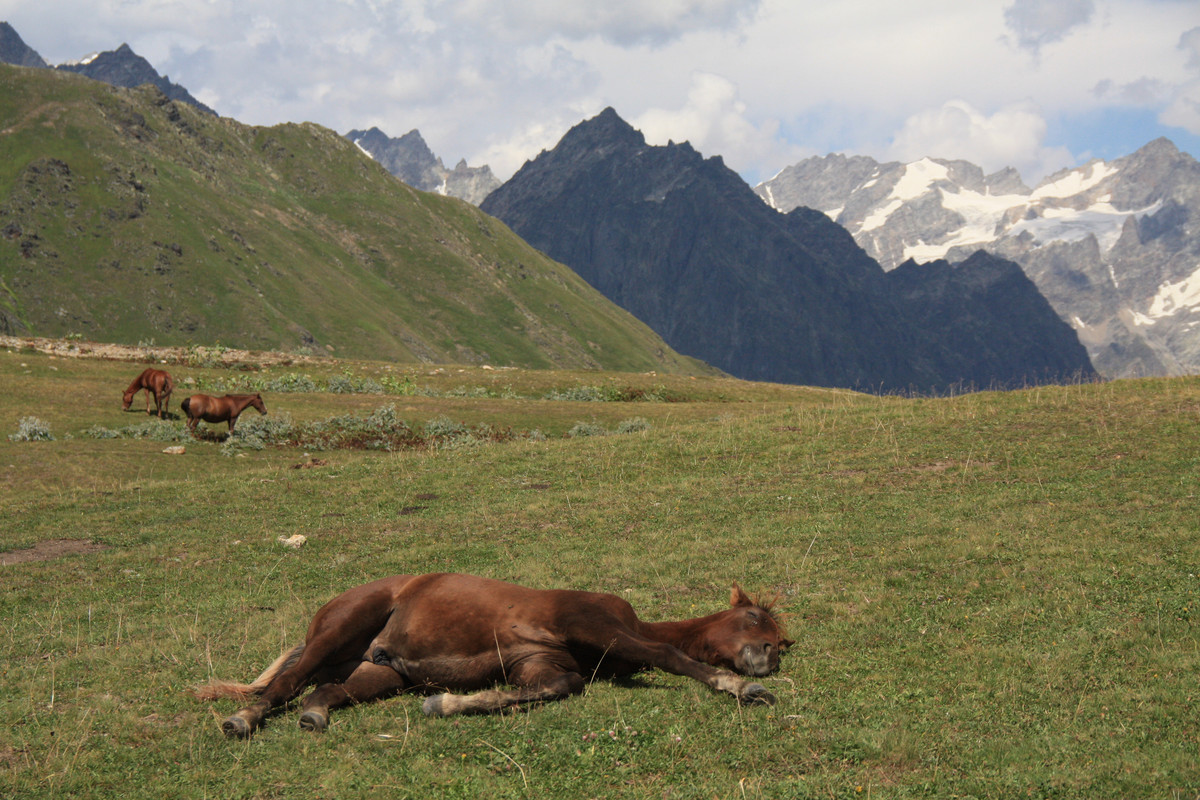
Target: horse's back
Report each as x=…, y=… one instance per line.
x=484, y=606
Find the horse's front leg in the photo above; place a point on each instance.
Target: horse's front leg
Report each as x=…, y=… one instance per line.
x=625, y=645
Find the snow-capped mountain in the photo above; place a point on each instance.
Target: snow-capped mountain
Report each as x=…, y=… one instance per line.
x=1114, y=246
x=411, y=160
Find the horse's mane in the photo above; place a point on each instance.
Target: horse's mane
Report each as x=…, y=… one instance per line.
x=771, y=609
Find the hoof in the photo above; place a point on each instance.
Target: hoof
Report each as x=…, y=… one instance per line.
x=433, y=705
x=755, y=694
x=314, y=721
x=236, y=728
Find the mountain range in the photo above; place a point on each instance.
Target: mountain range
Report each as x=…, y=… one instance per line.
x=684, y=244
x=411, y=160
x=1114, y=246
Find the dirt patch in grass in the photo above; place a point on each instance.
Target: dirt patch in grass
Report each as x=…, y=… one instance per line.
x=225, y=356
x=51, y=548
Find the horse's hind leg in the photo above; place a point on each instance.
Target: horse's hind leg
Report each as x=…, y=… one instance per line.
x=366, y=682
x=287, y=685
x=337, y=636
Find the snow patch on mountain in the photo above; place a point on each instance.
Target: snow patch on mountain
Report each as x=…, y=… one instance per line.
x=1101, y=219
x=1074, y=182
x=1173, y=299
x=982, y=214
x=1051, y=213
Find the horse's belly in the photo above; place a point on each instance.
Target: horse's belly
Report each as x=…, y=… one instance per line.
x=452, y=672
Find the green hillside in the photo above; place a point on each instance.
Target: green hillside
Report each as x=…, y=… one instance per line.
x=127, y=217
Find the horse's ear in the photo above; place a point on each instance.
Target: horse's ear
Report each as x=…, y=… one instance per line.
x=739, y=598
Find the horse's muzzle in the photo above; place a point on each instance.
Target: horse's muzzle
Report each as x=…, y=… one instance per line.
x=758, y=659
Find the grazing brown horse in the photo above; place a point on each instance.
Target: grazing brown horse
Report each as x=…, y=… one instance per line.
x=156, y=382
x=219, y=409
x=444, y=631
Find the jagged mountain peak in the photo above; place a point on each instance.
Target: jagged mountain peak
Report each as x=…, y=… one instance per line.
x=597, y=138
x=13, y=49
x=410, y=159
x=123, y=67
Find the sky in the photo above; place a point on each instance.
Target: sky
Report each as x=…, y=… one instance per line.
x=1038, y=85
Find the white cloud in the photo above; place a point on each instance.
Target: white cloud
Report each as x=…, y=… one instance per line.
x=1011, y=137
x=1184, y=109
x=1040, y=22
x=1142, y=92
x=623, y=22
x=714, y=120
x=1189, y=43
x=759, y=82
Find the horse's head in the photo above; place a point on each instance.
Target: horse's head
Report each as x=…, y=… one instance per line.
x=746, y=638
x=258, y=403
x=127, y=400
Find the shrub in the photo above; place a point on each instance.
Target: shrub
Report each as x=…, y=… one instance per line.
x=101, y=432
x=290, y=382
x=587, y=394
x=31, y=429
x=341, y=384
x=393, y=385
x=633, y=425
x=157, y=430
x=443, y=427
x=586, y=429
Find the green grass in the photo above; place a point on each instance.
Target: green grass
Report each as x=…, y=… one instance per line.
x=991, y=595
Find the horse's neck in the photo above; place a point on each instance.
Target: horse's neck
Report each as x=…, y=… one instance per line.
x=240, y=401
x=687, y=634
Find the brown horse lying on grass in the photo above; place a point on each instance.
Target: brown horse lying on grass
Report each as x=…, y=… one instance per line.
x=461, y=632
x=219, y=409
x=156, y=382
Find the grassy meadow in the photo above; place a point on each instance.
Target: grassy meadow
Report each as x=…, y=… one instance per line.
x=992, y=595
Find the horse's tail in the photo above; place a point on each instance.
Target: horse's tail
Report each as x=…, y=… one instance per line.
x=240, y=691
x=168, y=383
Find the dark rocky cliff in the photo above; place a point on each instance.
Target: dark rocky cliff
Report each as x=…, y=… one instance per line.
x=123, y=67
x=684, y=244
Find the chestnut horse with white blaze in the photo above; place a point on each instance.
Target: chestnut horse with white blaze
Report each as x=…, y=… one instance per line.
x=219, y=409
x=158, y=384
x=441, y=632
